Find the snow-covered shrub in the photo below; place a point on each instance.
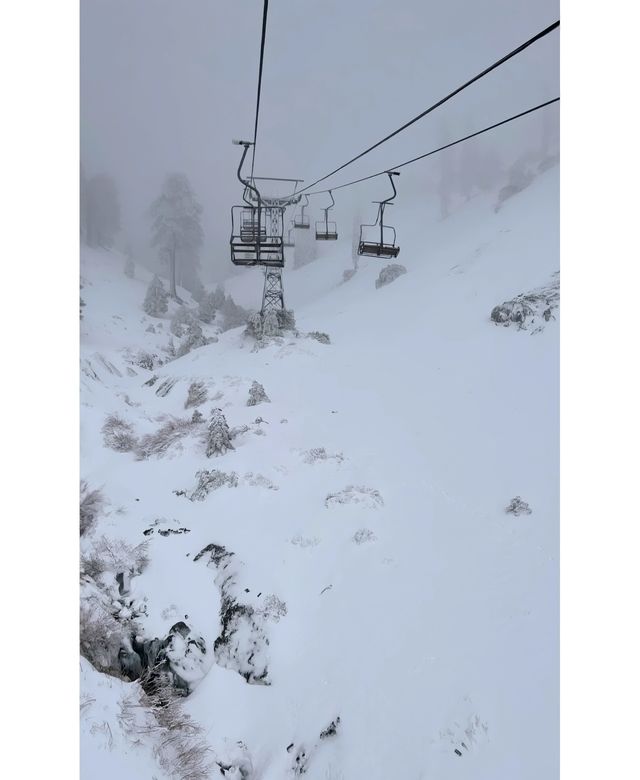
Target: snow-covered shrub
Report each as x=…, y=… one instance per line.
x=197, y=416
x=273, y=608
x=363, y=535
x=101, y=635
x=518, y=507
x=196, y=394
x=218, y=438
x=118, y=435
x=271, y=325
x=355, y=494
x=91, y=504
x=257, y=394
x=181, y=321
x=211, y=480
x=116, y=556
x=182, y=749
x=323, y=338
x=286, y=319
x=145, y=360
x=316, y=454
x=389, y=274
x=193, y=340
x=259, y=480
x=170, y=433
x=156, y=300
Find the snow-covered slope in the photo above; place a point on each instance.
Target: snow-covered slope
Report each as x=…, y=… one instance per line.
x=388, y=586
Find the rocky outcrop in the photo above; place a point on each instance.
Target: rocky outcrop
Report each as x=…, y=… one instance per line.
x=243, y=643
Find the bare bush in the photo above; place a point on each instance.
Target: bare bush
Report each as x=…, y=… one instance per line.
x=181, y=748
x=211, y=480
x=91, y=504
x=101, y=636
x=169, y=434
x=114, y=555
x=118, y=435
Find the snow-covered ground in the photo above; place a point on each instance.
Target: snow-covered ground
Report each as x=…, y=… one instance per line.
x=418, y=611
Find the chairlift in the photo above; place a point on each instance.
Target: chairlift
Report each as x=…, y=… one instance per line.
x=325, y=230
x=386, y=246
x=301, y=220
x=256, y=230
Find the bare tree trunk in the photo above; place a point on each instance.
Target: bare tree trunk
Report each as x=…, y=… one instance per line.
x=172, y=272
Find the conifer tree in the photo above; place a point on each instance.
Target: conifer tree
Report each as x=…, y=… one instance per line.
x=156, y=300
x=218, y=438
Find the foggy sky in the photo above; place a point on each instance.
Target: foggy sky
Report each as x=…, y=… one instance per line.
x=166, y=84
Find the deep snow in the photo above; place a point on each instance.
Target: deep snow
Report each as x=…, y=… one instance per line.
x=441, y=626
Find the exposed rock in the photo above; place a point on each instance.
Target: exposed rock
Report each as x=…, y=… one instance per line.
x=331, y=729
x=242, y=644
x=530, y=311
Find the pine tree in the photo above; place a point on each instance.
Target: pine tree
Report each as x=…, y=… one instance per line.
x=177, y=232
x=207, y=307
x=156, y=300
x=218, y=297
x=218, y=438
x=257, y=394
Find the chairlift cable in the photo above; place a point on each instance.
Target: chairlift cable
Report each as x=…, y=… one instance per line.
x=264, y=35
x=439, y=149
x=443, y=100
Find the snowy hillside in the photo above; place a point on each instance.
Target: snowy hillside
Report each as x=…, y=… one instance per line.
x=344, y=592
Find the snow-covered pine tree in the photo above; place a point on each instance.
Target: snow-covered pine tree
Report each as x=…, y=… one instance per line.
x=177, y=232
x=207, y=307
x=156, y=300
x=234, y=315
x=286, y=319
x=257, y=394
x=218, y=438
x=218, y=296
x=193, y=338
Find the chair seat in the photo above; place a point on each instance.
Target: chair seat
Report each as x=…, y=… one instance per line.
x=371, y=249
x=326, y=236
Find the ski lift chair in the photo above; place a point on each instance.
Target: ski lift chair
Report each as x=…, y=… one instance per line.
x=301, y=220
x=379, y=240
x=256, y=230
x=325, y=230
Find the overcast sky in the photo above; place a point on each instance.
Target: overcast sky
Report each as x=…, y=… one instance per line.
x=166, y=85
